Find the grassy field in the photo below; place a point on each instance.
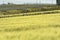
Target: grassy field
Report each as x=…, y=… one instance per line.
x=35, y=27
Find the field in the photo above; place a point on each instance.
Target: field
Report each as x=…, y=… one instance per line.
x=34, y=27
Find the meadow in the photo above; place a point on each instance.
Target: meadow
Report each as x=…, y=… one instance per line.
x=33, y=27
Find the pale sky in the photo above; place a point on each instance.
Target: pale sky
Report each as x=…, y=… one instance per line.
x=28, y=1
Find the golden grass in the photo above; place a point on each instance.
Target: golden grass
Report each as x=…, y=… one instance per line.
x=38, y=27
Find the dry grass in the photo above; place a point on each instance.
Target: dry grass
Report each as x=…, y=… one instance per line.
x=38, y=27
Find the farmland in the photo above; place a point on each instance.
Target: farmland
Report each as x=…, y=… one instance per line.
x=26, y=9
x=34, y=27
x=29, y=22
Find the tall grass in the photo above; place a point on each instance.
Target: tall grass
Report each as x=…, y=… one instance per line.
x=37, y=27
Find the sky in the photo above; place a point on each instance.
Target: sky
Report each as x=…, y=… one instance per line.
x=28, y=1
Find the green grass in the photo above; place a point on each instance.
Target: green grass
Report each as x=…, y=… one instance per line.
x=37, y=27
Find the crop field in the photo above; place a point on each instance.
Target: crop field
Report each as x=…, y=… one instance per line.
x=33, y=27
